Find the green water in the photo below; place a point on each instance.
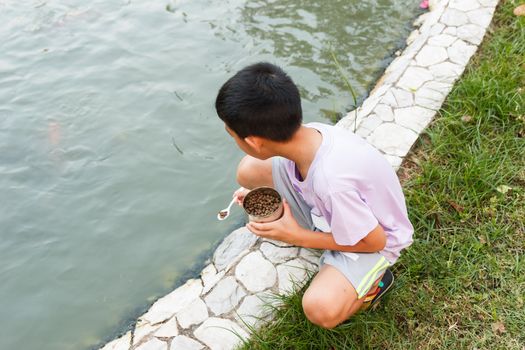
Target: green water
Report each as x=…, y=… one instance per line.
x=112, y=161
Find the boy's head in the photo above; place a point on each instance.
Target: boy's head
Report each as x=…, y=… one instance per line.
x=260, y=100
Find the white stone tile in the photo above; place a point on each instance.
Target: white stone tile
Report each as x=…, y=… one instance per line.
x=252, y=311
x=414, y=118
x=311, y=255
x=363, y=132
x=464, y=5
x=435, y=5
x=277, y=254
x=293, y=272
x=394, y=161
x=393, y=139
x=488, y=3
x=384, y=112
x=208, y=272
x=153, y=344
x=471, y=33
x=453, y=17
x=351, y=121
x=431, y=94
x=142, y=330
x=443, y=40
x=451, y=31
x=182, y=342
x=430, y=55
x=168, y=329
x=210, y=277
x=255, y=272
x=367, y=106
x=403, y=98
x=446, y=72
x=392, y=76
x=224, y=296
x=366, y=128
x=481, y=17
x=122, y=343
x=369, y=123
x=412, y=36
x=195, y=313
x=438, y=86
x=228, y=252
x=379, y=90
x=414, y=77
x=430, y=104
x=436, y=10
x=429, y=98
x=389, y=99
x=277, y=243
x=172, y=303
x=461, y=52
x=415, y=46
x=436, y=29
x=236, y=260
x=220, y=334
x=421, y=19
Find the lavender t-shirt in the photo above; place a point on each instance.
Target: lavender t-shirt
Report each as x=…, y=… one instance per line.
x=354, y=188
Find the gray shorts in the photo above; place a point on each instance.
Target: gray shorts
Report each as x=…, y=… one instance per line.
x=360, y=269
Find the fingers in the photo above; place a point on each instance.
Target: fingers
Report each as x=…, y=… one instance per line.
x=257, y=232
x=286, y=207
x=239, y=195
x=239, y=191
x=287, y=211
x=260, y=226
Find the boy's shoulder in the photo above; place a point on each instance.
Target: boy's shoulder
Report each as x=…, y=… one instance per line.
x=347, y=162
x=340, y=142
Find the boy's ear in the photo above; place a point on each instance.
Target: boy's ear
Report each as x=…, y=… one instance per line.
x=254, y=142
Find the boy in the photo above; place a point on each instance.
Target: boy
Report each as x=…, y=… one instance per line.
x=340, y=194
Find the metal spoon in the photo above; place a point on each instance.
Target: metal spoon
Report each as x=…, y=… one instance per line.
x=223, y=214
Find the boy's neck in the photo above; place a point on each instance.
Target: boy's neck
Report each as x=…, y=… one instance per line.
x=301, y=149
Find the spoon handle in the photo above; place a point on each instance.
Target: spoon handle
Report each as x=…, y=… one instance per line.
x=231, y=203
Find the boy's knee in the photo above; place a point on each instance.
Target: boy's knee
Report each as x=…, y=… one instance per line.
x=243, y=172
x=320, y=310
x=252, y=172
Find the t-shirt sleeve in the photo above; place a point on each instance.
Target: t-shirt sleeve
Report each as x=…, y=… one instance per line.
x=351, y=218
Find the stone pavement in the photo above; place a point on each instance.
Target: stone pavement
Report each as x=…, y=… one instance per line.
x=234, y=292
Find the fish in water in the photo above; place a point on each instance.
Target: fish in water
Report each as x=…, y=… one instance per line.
x=53, y=133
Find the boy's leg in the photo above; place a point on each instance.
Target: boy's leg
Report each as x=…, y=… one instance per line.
x=332, y=298
x=253, y=172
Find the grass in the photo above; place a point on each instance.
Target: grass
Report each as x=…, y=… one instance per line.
x=461, y=284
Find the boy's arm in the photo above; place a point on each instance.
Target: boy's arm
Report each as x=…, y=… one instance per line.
x=288, y=230
x=375, y=241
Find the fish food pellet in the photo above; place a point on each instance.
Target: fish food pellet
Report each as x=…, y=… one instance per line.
x=261, y=204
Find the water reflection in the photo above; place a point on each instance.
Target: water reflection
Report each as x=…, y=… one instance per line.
x=306, y=33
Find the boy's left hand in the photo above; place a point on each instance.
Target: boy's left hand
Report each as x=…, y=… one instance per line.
x=286, y=229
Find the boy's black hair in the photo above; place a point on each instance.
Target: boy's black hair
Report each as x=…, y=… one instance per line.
x=260, y=100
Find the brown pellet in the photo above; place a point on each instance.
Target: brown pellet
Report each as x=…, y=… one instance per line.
x=261, y=204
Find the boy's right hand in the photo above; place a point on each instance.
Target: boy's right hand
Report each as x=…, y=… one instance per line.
x=239, y=195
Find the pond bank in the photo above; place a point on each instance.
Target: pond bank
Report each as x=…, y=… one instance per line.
x=245, y=270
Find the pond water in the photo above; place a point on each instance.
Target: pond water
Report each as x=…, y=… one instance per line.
x=113, y=163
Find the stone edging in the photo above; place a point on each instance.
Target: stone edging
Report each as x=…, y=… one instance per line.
x=216, y=309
